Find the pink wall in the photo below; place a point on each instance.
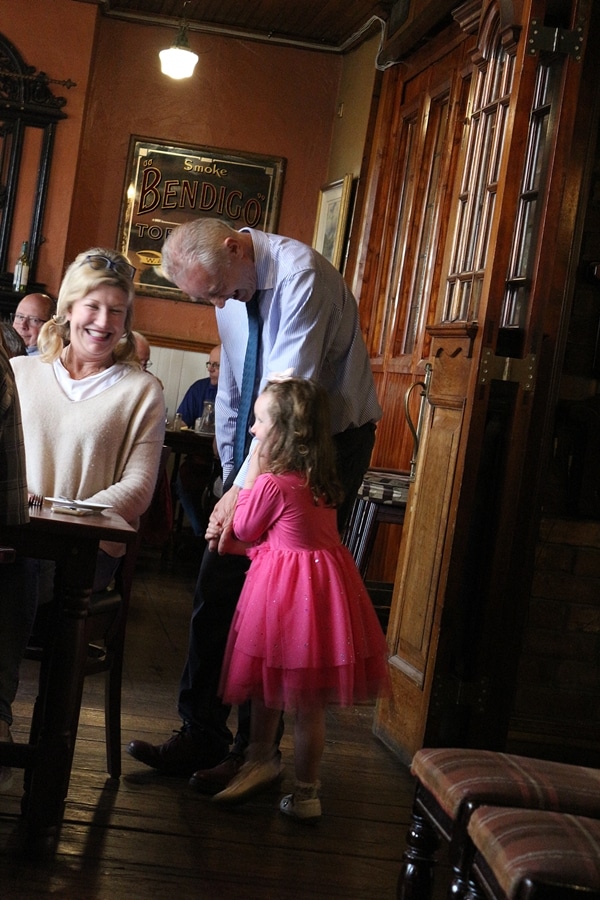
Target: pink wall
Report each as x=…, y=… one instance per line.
x=244, y=96
x=57, y=39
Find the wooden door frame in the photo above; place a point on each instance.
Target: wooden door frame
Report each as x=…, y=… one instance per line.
x=480, y=704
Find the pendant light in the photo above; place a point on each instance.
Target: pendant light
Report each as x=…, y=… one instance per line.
x=179, y=60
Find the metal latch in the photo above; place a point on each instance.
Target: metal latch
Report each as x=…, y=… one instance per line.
x=555, y=40
x=507, y=368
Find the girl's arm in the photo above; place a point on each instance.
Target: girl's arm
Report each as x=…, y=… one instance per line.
x=254, y=466
x=258, y=509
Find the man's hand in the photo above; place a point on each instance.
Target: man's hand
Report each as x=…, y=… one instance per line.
x=220, y=525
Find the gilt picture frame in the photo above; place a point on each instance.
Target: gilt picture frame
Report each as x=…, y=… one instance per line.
x=332, y=219
x=169, y=184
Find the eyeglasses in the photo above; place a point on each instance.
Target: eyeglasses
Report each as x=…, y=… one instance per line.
x=20, y=319
x=96, y=261
x=147, y=364
x=210, y=365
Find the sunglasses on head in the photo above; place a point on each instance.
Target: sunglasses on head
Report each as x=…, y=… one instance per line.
x=97, y=261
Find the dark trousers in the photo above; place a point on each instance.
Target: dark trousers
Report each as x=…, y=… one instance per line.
x=218, y=588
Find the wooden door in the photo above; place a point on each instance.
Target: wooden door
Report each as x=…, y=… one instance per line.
x=493, y=340
x=398, y=253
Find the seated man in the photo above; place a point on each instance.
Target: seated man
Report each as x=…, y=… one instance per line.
x=195, y=471
x=31, y=313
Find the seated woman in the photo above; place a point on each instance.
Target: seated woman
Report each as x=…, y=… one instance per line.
x=93, y=424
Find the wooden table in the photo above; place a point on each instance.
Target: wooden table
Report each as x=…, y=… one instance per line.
x=187, y=441
x=72, y=541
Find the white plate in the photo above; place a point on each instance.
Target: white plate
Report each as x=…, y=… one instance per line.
x=77, y=504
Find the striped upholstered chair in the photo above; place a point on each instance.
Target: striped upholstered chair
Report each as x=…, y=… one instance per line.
x=523, y=854
x=452, y=783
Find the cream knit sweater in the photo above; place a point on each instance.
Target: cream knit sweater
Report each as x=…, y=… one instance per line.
x=105, y=449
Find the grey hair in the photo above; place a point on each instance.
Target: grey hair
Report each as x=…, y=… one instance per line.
x=200, y=241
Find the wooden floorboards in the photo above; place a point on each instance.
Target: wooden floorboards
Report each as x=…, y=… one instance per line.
x=148, y=837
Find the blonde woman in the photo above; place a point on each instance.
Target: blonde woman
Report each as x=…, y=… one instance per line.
x=93, y=425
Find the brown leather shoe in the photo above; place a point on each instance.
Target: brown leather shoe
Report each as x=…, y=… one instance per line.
x=181, y=755
x=212, y=781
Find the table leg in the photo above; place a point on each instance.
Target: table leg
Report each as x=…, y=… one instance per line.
x=47, y=781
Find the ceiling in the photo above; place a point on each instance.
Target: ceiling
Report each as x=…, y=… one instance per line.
x=332, y=25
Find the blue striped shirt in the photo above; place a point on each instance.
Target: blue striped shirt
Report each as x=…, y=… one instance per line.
x=309, y=323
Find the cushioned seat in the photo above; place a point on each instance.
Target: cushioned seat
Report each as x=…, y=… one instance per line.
x=522, y=854
x=452, y=782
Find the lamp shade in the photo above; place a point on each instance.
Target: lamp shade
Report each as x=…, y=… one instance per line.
x=179, y=60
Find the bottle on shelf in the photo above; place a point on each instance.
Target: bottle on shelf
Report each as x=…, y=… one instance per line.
x=21, y=273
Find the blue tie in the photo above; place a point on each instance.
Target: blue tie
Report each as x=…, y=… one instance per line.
x=248, y=382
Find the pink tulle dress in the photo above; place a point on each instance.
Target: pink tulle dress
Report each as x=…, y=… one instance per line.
x=304, y=632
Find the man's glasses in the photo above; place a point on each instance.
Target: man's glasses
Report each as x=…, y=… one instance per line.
x=96, y=261
x=210, y=365
x=20, y=319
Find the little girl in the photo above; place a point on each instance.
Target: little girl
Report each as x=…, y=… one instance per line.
x=304, y=633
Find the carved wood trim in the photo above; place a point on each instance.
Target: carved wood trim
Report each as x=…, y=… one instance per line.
x=161, y=340
x=468, y=15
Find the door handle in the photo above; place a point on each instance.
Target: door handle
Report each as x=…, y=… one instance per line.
x=417, y=430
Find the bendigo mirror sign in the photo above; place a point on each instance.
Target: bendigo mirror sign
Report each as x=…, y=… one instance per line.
x=166, y=186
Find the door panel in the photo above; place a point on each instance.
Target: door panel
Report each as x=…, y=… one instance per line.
x=421, y=575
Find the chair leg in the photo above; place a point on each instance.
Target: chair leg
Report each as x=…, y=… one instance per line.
x=415, y=881
x=462, y=853
x=34, y=732
x=474, y=892
x=112, y=713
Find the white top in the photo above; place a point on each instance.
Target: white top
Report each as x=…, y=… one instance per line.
x=92, y=385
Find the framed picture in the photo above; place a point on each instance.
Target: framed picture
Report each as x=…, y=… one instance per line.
x=332, y=218
x=167, y=185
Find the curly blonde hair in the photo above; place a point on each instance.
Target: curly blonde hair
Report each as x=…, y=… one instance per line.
x=79, y=279
x=300, y=438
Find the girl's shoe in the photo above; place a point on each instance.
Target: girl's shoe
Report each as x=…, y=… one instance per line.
x=308, y=810
x=252, y=777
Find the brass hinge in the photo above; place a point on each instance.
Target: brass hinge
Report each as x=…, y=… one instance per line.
x=451, y=691
x=555, y=40
x=507, y=368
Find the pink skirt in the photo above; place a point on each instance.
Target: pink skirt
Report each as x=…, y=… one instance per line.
x=304, y=633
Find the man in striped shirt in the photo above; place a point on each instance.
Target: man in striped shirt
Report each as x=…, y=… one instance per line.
x=308, y=322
